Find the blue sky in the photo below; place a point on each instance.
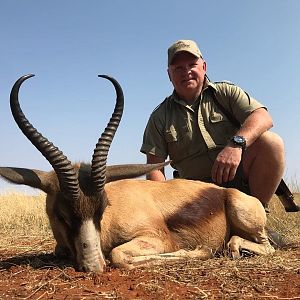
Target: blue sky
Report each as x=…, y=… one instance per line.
x=255, y=44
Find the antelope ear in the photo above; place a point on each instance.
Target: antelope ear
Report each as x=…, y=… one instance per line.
x=118, y=172
x=34, y=178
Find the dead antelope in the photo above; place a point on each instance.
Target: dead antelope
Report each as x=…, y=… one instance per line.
x=96, y=212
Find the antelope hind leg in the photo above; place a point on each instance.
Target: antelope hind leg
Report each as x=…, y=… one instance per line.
x=247, y=219
x=143, y=251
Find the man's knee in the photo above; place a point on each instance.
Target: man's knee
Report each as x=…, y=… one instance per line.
x=267, y=151
x=270, y=141
x=268, y=144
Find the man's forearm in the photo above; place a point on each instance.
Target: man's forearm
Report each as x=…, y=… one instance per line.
x=255, y=125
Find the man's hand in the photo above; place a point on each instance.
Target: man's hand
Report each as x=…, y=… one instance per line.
x=226, y=164
x=156, y=175
x=228, y=160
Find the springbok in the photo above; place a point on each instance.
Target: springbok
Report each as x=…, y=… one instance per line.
x=96, y=212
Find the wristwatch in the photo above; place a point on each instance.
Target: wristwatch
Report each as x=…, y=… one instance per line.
x=240, y=141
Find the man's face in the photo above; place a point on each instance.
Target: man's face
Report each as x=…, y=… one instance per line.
x=187, y=74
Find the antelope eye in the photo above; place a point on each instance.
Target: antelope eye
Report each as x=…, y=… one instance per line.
x=63, y=220
x=60, y=218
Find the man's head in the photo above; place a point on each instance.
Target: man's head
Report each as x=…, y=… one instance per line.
x=186, y=69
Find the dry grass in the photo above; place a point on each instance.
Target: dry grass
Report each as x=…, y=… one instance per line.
x=23, y=214
x=224, y=278
x=287, y=224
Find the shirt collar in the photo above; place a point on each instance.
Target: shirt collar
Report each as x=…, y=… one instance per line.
x=207, y=84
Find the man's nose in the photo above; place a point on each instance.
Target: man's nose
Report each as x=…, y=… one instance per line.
x=186, y=69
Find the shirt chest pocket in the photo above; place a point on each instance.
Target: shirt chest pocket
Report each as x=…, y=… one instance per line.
x=221, y=129
x=216, y=117
x=178, y=141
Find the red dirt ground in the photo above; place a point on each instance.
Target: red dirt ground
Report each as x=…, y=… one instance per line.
x=28, y=270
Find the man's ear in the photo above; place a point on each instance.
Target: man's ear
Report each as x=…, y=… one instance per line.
x=204, y=65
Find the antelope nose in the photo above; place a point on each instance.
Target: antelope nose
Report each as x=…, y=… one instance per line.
x=99, y=268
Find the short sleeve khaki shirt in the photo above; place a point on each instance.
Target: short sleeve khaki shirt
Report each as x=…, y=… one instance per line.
x=192, y=136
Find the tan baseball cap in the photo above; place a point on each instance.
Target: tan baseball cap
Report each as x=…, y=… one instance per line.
x=183, y=45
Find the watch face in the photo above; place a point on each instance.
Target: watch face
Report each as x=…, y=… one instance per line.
x=239, y=140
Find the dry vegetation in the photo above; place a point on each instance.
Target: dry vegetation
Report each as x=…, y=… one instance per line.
x=23, y=214
x=28, y=269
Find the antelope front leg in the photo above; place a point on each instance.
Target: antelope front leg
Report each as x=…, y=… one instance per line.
x=147, y=250
x=200, y=252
